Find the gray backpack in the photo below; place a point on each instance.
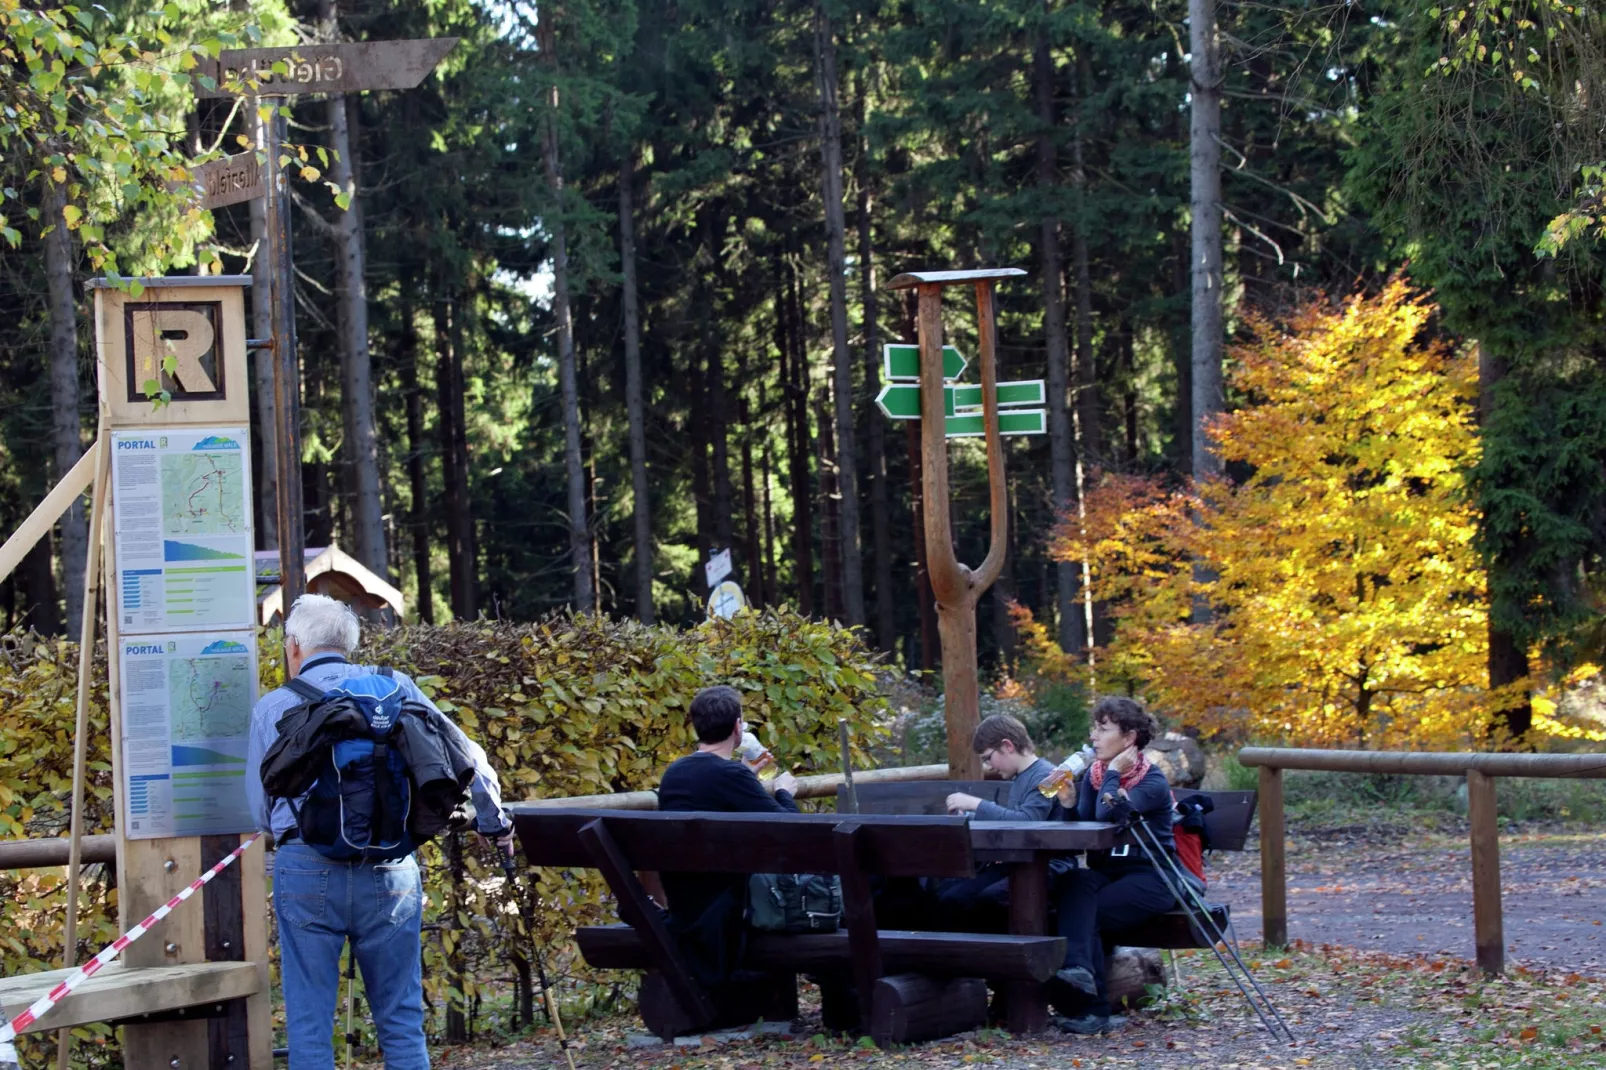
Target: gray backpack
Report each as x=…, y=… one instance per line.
x=794, y=902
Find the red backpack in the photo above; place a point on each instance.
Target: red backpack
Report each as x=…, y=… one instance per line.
x=1190, y=833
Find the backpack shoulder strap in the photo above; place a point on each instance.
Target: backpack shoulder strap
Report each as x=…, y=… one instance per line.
x=310, y=692
x=386, y=671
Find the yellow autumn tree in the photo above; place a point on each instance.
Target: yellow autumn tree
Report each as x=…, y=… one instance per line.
x=1347, y=599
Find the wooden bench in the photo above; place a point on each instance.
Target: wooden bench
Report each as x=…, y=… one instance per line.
x=910, y=985
x=1227, y=825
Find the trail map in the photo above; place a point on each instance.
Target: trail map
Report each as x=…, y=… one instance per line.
x=203, y=494
x=182, y=509
x=186, y=723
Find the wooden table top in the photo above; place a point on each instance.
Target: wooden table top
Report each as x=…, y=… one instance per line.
x=1019, y=841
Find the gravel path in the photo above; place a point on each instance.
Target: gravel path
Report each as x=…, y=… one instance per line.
x=1354, y=888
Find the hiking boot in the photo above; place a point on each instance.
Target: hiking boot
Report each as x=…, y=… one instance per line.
x=1079, y=978
x=1088, y=1025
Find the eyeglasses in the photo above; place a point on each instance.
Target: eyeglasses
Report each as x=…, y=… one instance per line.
x=987, y=756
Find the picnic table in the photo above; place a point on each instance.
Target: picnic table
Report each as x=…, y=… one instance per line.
x=1026, y=848
x=894, y=1006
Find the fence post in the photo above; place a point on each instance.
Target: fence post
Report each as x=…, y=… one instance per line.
x=1487, y=925
x=1273, y=875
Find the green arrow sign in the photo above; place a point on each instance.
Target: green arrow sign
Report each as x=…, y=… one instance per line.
x=1010, y=395
x=1010, y=422
x=901, y=401
x=903, y=362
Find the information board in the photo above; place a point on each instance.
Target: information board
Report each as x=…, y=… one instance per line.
x=183, y=530
x=186, y=720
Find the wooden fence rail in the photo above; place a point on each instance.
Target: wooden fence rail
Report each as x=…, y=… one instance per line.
x=40, y=852
x=1480, y=771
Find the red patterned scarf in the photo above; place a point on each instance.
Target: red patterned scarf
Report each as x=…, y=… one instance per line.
x=1139, y=770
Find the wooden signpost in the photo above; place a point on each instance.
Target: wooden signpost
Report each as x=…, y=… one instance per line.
x=181, y=642
x=269, y=74
x=956, y=587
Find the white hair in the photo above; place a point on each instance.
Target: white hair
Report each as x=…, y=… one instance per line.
x=319, y=622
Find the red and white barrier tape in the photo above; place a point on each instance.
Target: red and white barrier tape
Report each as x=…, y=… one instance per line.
x=9, y=1031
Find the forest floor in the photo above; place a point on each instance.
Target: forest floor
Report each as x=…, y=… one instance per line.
x=1379, y=975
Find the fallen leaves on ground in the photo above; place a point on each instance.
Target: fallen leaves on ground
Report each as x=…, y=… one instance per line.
x=1348, y=1008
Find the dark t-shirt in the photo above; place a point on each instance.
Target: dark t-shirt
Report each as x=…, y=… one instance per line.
x=705, y=781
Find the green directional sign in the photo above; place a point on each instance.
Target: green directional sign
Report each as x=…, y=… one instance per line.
x=1010, y=422
x=902, y=361
x=901, y=401
x=1010, y=395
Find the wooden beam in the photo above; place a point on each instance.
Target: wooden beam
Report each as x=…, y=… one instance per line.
x=808, y=787
x=858, y=916
x=46, y=852
x=1487, y=924
x=47, y=512
x=639, y=912
x=119, y=991
x=1025, y=1008
x=1273, y=873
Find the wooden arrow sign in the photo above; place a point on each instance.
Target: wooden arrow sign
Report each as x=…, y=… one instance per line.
x=322, y=68
x=901, y=361
x=228, y=181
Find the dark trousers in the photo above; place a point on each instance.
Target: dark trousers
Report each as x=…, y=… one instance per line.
x=1093, y=902
x=978, y=904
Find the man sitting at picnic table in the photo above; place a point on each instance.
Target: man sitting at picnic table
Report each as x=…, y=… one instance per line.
x=705, y=910
x=1119, y=889
x=981, y=903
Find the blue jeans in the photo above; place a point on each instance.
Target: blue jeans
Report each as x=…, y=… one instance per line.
x=378, y=907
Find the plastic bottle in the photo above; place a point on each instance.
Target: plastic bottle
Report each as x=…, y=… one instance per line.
x=1066, y=771
x=756, y=756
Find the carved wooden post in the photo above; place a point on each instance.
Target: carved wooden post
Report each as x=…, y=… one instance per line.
x=956, y=587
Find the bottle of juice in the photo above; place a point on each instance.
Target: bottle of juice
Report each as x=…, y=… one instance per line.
x=1065, y=772
x=756, y=756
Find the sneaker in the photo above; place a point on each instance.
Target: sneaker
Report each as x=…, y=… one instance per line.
x=1087, y=1025
x=1079, y=978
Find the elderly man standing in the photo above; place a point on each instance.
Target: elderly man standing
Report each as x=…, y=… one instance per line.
x=321, y=902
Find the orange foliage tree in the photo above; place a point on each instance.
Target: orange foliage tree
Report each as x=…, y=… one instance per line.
x=1348, y=601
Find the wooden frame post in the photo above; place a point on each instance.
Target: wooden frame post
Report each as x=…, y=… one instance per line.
x=1273, y=864
x=1488, y=926
x=228, y=924
x=955, y=587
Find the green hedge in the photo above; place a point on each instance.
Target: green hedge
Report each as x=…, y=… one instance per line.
x=565, y=706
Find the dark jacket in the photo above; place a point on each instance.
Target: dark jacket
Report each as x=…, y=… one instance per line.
x=1150, y=797
x=706, y=909
x=438, y=766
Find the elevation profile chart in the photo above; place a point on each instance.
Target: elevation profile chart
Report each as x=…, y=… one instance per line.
x=184, y=540
x=186, y=722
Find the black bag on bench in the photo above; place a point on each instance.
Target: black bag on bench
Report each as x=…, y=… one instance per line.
x=794, y=902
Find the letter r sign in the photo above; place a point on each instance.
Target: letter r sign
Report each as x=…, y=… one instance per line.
x=188, y=332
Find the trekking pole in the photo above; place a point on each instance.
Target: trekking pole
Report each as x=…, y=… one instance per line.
x=1139, y=829
x=351, y=998
x=1214, y=949
x=1200, y=912
x=511, y=870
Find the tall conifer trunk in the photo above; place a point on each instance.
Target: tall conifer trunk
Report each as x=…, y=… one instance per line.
x=830, y=512
x=418, y=488
x=1053, y=272
x=573, y=461
x=267, y=458
x=847, y=477
x=641, y=508
x=799, y=447
x=875, y=445
x=1088, y=444
x=462, y=557
x=361, y=443
x=1508, y=655
x=1204, y=156
x=66, y=423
